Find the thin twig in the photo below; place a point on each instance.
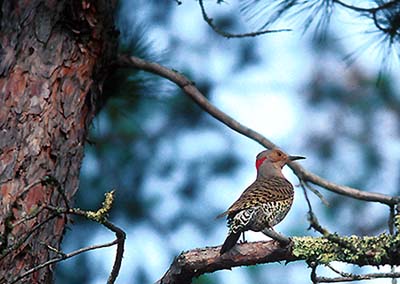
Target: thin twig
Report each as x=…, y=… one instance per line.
x=100, y=216
x=34, y=214
x=391, y=220
x=392, y=232
x=63, y=257
x=27, y=188
x=23, y=239
x=189, y=88
x=386, y=5
x=346, y=276
x=53, y=249
x=52, y=181
x=356, y=277
x=312, y=218
x=10, y=215
x=209, y=21
x=317, y=193
x=121, y=236
x=313, y=274
x=393, y=271
x=341, y=273
x=354, y=8
x=314, y=223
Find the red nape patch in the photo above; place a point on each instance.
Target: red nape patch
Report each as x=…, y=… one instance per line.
x=260, y=161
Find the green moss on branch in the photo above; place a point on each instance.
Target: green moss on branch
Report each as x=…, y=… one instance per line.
x=101, y=214
x=365, y=250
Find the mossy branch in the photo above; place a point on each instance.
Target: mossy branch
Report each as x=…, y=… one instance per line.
x=376, y=251
x=99, y=216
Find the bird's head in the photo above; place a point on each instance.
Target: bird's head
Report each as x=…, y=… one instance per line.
x=270, y=162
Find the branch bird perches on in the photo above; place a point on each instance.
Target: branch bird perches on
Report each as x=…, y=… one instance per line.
x=199, y=261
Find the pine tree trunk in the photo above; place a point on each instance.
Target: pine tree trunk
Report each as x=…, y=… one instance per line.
x=53, y=61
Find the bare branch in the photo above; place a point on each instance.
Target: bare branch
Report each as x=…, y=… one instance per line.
x=209, y=21
x=4, y=247
x=342, y=189
x=100, y=216
x=121, y=236
x=354, y=8
x=35, y=212
x=356, y=277
x=62, y=257
x=314, y=223
x=190, y=89
x=317, y=193
x=195, y=262
x=19, y=242
x=391, y=220
x=120, y=241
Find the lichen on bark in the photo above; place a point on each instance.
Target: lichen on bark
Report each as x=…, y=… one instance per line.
x=101, y=214
x=365, y=250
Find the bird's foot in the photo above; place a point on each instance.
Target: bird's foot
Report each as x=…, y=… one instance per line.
x=276, y=236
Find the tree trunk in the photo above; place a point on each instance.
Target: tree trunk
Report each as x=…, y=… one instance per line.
x=53, y=60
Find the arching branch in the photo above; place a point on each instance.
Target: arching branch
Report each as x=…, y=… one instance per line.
x=190, y=89
x=331, y=247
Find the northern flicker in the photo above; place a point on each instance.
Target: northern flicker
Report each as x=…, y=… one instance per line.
x=265, y=202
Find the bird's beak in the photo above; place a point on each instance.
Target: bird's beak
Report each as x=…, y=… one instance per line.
x=294, y=158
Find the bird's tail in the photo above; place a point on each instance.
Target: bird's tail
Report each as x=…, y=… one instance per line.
x=230, y=242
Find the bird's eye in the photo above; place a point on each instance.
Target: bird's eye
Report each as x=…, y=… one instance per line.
x=279, y=154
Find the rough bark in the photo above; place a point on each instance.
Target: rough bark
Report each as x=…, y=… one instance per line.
x=196, y=262
x=53, y=60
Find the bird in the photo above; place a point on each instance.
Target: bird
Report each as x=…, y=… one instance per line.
x=265, y=202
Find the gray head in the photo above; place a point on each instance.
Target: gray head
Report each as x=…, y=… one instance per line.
x=269, y=163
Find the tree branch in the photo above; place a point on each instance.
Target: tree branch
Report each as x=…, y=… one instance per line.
x=99, y=216
x=370, y=251
x=62, y=257
x=356, y=277
x=190, y=89
x=209, y=21
x=196, y=262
